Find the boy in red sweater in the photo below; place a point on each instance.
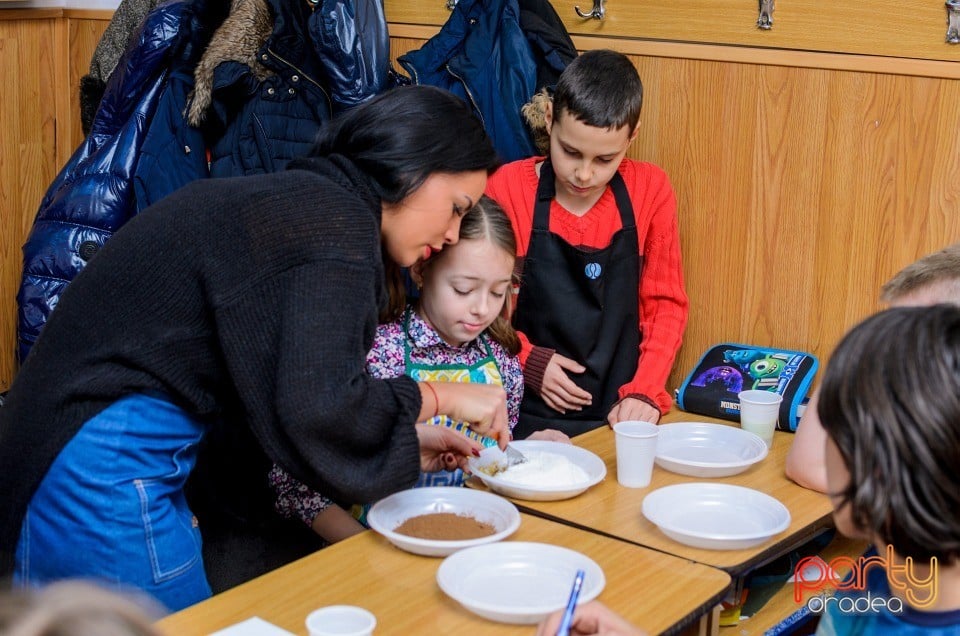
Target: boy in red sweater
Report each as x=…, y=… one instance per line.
x=601, y=307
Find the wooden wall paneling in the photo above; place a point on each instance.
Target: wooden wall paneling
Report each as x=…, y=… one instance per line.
x=403, y=12
x=61, y=103
x=27, y=154
x=399, y=46
x=685, y=128
x=901, y=28
x=869, y=196
x=732, y=148
x=42, y=56
x=881, y=205
x=83, y=35
x=9, y=192
x=893, y=28
x=785, y=178
x=810, y=190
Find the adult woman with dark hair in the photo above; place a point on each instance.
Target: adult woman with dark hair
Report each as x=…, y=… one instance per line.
x=246, y=303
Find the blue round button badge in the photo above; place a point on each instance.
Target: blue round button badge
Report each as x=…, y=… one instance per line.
x=592, y=270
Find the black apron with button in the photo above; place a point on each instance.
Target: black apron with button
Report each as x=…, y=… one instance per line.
x=583, y=303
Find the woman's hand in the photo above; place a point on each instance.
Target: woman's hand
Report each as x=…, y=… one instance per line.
x=632, y=409
x=558, y=391
x=593, y=618
x=442, y=448
x=484, y=406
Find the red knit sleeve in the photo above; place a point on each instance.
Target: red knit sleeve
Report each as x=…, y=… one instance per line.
x=514, y=187
x=663, y=299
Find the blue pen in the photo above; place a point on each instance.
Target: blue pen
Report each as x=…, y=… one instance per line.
x=564, y=629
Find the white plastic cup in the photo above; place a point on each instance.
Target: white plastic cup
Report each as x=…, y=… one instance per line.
x=341, y=620
x=759, y=411
x=636, y=450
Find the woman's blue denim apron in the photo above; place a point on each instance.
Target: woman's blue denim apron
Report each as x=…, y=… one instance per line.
x=112, y=506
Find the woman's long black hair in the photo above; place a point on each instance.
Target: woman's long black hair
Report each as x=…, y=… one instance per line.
x=398, y=139
x=402, y=136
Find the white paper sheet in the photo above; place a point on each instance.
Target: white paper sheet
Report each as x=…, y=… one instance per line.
x=255, y=626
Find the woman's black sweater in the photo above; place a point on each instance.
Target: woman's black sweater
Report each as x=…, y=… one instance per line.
x=249, y=301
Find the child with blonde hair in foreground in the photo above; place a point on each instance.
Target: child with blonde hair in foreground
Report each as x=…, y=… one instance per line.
x=76, y=608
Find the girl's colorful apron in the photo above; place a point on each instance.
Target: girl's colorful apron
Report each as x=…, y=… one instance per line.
x=484, y=371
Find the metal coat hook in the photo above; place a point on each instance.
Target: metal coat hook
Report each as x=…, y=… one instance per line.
x=597, y=12
x=953, y=21
x=765, y=21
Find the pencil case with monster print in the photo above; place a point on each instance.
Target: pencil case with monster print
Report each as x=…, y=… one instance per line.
x=728, y=368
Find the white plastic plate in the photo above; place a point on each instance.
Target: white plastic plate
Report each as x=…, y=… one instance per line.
x=701, y=449
x=390, y=512
x=591, y=464
x=715, y=516
x=517, y=582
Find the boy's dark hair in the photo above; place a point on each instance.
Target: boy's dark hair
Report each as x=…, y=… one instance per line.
x=890, y=401
x=402, y=136
x=601, y=88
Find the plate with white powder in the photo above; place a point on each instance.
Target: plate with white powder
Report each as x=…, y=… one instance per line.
x=553, y=470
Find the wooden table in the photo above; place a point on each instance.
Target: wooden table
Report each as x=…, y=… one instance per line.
x=659, y=592
x=614, y=510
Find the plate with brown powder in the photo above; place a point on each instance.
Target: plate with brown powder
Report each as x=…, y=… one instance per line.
x=439, y=521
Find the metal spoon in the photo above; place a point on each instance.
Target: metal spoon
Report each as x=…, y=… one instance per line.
x=498, y=461
x=514, y=456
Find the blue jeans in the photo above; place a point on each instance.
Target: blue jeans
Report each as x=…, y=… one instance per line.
x=112, y=507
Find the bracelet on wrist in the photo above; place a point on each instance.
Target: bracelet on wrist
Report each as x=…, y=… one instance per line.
x=436, y=399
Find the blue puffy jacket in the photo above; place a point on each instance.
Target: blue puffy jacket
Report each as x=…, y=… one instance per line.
x=482, y=55
x=138, y=150
x=351, y=37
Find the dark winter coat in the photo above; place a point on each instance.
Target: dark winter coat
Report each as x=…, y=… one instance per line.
x=268, y=111
x=496, y=54
x=482, y=55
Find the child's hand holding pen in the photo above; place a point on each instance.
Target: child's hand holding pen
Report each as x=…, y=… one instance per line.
x=590, y=619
